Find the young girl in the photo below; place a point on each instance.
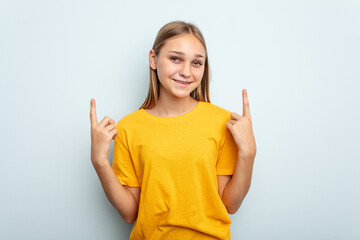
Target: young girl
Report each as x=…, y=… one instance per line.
x=180, y=163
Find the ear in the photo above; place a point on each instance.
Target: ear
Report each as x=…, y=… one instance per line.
x=152, y=59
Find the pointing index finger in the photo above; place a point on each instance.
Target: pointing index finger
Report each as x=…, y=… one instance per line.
x=93, y=118
x=246, y=108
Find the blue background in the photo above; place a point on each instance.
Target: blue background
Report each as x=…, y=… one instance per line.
x=299, y=61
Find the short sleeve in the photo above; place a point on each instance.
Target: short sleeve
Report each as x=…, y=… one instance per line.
x=227, y=156
x=122, y=163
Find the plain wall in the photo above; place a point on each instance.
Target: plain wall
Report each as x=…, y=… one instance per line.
x=298, y=60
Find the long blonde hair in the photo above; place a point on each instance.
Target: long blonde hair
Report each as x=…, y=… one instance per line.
x=201, y=93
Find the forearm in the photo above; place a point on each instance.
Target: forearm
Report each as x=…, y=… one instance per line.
x=117, y=194
x=239, y=185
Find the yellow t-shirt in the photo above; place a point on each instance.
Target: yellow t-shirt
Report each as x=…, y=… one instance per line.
x=175, y=161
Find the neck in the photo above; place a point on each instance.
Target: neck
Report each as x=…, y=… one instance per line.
x=169, y=105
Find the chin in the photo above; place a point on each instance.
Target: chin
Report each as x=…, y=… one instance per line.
x=181, y=94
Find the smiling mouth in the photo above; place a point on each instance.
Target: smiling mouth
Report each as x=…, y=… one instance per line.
x=182, y=82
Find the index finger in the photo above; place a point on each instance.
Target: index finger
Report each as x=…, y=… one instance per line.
x=246, y=108
x=93, y=118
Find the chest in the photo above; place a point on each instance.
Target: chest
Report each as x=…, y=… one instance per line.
x=177, y=148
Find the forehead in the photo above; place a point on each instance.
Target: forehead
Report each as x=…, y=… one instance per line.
x=187, y=43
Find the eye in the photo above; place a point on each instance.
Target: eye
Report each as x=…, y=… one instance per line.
x=174, y=58
x=198, y=63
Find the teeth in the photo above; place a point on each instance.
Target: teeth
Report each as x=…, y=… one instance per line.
x=181, y=82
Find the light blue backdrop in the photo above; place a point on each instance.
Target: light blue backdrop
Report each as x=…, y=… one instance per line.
x=299, y=61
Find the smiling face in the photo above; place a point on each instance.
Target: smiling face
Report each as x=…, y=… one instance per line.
x=180, y=65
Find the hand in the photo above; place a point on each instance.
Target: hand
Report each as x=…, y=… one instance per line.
x=101, y=136
x=241, y=129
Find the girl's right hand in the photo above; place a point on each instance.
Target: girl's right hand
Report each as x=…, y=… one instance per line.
x=101, y=136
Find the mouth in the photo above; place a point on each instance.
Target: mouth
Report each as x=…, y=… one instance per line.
x=183, y=83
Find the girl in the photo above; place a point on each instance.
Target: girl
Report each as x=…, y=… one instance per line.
x=180, y=163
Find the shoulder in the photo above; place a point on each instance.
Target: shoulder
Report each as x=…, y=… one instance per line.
x=216, y=112
x=129, y=120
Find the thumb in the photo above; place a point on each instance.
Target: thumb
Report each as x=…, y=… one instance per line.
x=229, y=126
x=114, y=136
x=93, y=118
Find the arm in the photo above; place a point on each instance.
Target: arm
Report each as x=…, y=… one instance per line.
x=239, y=184
x=120, y=196
x=241, y=129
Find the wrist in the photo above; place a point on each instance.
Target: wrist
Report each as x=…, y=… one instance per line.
x=100, y=163
x=245, y=157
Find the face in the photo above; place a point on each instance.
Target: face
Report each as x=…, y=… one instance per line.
x=180, y=65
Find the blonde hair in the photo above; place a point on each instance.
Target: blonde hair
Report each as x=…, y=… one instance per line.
x=201, y=93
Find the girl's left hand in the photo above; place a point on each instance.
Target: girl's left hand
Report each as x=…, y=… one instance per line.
x=241, y=129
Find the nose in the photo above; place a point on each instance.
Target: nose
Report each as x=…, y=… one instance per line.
x=185, y=71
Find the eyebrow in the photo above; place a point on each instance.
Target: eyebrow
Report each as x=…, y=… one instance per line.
x=181, y=53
